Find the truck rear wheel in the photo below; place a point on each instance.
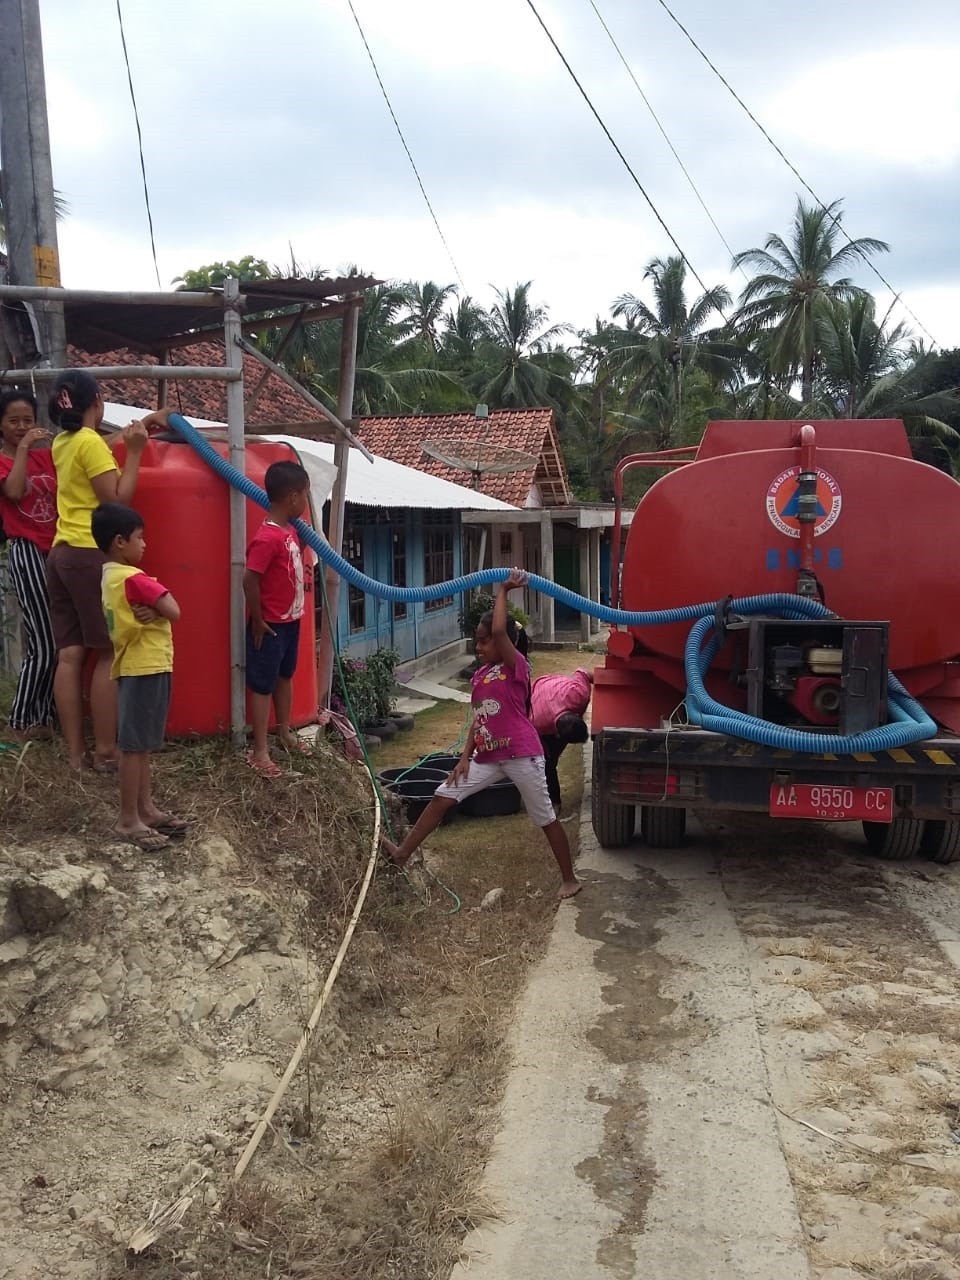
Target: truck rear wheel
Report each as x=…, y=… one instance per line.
x=895, y=841
x=662, y=828
x=941, y=842
x=613, y=824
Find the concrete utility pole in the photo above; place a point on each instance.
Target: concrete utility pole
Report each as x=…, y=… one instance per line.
x=26, y=180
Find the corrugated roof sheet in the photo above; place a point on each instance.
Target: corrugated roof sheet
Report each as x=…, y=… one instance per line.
x=381, y=483
x=277, y=404
x=102, y=326
x=530, y=431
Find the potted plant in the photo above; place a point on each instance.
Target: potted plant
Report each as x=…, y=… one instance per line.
x=366, y=689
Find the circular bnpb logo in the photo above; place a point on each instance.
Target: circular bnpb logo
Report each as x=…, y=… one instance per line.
x=783, y=499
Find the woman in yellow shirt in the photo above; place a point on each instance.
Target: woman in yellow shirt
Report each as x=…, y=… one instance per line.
x=87, y=474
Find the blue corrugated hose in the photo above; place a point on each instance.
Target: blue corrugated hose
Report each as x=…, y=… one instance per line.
x=910, y=721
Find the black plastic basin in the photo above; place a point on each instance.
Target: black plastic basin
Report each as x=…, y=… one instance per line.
x=414, y=773
x=414, y=788
x=442, y=761
x=495, y=802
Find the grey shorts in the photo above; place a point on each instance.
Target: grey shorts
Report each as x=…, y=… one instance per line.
x=142, y=706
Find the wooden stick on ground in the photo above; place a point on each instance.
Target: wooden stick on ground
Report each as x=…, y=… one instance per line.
x=318, y=1008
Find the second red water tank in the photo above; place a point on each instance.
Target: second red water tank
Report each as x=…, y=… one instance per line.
x=186, y=510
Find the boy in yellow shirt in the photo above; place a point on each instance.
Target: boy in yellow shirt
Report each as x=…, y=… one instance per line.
x=139, y=611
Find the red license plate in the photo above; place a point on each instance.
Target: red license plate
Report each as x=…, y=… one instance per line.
x=810, y=800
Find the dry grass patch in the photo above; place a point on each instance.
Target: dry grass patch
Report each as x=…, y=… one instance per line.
x=425, y=999
x=805, y=1022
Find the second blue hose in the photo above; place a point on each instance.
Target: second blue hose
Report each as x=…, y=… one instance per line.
x=910, y=722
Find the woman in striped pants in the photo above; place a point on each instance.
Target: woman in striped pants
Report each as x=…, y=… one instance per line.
x=28, y=510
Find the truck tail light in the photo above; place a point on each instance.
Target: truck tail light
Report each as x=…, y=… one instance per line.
x=649, y=784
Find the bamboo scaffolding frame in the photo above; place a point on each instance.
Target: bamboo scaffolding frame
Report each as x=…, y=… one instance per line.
x=127, y=372
x=320, y=407
x=40, y=293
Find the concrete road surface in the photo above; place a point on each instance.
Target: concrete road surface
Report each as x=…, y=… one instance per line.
x=638, y=1136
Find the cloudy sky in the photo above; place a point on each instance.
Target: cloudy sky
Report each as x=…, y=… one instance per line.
x=264, y=128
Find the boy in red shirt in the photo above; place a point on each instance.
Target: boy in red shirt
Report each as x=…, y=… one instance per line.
x=273, y=586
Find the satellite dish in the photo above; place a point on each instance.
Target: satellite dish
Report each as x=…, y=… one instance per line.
x=478, y=458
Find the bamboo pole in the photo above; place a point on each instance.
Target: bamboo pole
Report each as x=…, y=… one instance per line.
x=338, y=498
x=38, y=293
x=127, y=372
x=281, y=1089
x=320, y=407
x=238, y=511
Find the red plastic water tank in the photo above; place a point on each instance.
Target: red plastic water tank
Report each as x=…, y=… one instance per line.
x=885, y=544
x=186, y=511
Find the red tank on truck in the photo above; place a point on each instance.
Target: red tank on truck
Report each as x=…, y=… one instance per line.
x=838, y=510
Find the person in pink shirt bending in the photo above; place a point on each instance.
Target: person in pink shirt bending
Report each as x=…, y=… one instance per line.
x=501, y=742
x=557, y=706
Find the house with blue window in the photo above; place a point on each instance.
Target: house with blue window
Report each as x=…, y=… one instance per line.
x=405, y=528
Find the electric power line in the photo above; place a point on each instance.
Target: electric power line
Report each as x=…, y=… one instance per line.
x=623, y=158
x=143, y=169
x=666, y=136
x=836, y=219
x=396, y=123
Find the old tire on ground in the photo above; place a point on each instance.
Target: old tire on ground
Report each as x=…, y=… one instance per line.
x=941, y=842
x=895, y=841
x=403, y=720
x=661, y=827
x=382, y=729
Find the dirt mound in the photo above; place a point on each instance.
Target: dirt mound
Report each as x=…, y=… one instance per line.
x=148, y=1005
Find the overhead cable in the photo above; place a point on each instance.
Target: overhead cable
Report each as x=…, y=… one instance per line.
x=143, y=169
x=396, y=123
x=623, y=159
x=793, y=169
x=666, y=137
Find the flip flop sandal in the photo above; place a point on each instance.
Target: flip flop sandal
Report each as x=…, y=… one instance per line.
x=266, y=768
x=147, y=842
x=171, y=827
x=301, y=749
x=103, y=766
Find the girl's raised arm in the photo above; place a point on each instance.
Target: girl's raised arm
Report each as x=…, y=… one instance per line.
x=506, y=651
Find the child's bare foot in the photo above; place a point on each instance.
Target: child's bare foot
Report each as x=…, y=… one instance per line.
x=569, y=889
x=392, y=851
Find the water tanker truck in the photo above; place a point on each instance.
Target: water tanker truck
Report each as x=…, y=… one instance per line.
x=795, y=716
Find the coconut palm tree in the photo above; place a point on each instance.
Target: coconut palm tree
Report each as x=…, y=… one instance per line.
x=524, y=368
x=425, y=303
x=869, y=371
x=650, y=357
x=793, y=275
x=61, y=207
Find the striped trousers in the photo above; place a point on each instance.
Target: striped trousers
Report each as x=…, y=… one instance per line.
x=33, y=699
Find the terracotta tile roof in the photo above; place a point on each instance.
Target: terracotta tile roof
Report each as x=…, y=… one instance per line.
x=276, y=406
x=529, y=431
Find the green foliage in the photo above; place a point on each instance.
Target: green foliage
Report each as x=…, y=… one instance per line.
x=804, y=341
x=364, y=686
x=481, y=603
x=248, y=268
